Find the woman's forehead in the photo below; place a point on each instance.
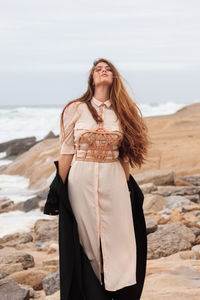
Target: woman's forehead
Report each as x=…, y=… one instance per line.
x=100, y=64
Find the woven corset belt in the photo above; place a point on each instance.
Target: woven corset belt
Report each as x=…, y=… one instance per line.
x=99, y=145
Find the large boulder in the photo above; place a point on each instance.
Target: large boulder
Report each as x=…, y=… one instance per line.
x=25, y=259
x=51, y=283
x=32, y=277
x=17, y=146
x=153, y=203
x=177, y=202
x=177, y=190
x=11, y=240
x=30, y=204
x=169, y=239
x=151, y=223
x=46, y=230
x=10, y=290
x=7, y=269
x=155, y=176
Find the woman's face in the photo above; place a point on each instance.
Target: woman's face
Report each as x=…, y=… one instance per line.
x=102, y=74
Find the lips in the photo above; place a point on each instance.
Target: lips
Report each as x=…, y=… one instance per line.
x=104, y=75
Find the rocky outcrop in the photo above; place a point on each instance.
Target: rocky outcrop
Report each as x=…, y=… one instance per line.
x=31, y=203
x=46, y=230
x=12, y=240
x=51, y=283
x=17, y=146
x=10, y=290
x=169, y=239
x=25, y=259
x=7, y=204
x=155, y=176
x=151, y=223
x=35, y=164
x=32, y=277
x=154, y=203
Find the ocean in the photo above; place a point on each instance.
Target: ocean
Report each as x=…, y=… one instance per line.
x=27, y=121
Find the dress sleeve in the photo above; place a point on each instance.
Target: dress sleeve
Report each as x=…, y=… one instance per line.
x=67, y=140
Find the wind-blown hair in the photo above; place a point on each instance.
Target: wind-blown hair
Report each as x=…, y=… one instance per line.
x=135, y=143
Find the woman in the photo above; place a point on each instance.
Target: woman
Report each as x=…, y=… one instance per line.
x=101, y=133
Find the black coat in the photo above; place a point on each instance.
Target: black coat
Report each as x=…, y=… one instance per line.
x=75, y=268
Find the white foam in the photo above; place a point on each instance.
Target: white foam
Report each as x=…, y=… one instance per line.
x=15, y=188
x=24, y=122
x=19, y=221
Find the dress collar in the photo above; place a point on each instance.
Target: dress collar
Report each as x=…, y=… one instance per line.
x=98, y=102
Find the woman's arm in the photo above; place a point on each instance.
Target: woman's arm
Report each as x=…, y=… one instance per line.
x=64, y=162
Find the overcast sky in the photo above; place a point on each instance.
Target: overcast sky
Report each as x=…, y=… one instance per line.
x=48, y=47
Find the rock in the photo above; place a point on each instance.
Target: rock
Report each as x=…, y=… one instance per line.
x=169, y=239
x=194, y=180
x=46, y=230
x=40, y=244
x=191, y=219
x=178, y=286
x=30, y=204
x=50, y=135
x=7, y=269
x=25, y=259
x=187, y=254
x=158, y=177
x=176, y=202
x=176, y=190
x=43, y=194
x=163, y=219
x=194, y=198
x=32, y=277
x=10, y=290
x=5, y=202
x=151, y=223
x=191, y=207
x=11, y=240
x=51, y=283
x=178, y=181
x=55, y=296
x=24, y=247
x=35, y=202
x=147, y=188
x=53, y=248
x=153, y=203
x=49, y=269
x=195, y=230
x=41, y=205
x=7, y=205
x=54, y=262
x=176, y=216
x=36, y=164
x=17, y=146
x=196, y=250
x=165, y=211
x=197, y=240
x=10, y=206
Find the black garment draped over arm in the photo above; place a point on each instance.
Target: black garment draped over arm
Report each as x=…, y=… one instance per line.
x=74, y=265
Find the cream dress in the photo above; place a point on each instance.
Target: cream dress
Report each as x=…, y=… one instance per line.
x=100, y=199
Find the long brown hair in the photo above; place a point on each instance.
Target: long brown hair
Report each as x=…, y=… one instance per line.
x=135, y=141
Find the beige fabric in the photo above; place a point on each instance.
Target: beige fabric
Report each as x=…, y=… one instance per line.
x=100, y=198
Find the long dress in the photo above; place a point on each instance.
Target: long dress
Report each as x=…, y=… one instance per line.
x=99, y=195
